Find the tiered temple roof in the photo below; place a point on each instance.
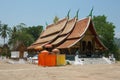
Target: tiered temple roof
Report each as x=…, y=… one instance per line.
x=66, y=33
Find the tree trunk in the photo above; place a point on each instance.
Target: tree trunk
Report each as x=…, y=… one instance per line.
x=4, y=41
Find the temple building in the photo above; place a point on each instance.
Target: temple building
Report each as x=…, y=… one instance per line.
x=71, y=36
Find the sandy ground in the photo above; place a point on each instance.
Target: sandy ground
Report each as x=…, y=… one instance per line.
x=69, y=72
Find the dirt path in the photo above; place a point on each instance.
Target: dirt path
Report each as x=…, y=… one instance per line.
x=69, y=72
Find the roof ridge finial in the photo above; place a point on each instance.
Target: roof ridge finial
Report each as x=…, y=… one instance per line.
x=91, y=13
x=76, y=16
x=68, y=14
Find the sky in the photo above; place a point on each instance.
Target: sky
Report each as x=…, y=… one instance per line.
x=40, y=12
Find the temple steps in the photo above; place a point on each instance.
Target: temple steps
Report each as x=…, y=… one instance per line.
x=85, y=61
x=94, y=61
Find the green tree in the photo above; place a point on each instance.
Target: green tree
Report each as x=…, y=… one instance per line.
x=35, y=31
x=21, y=34
x=18, y=36
x=106, y=33
x=117, y=41
x=24, y=38
x=13, y=37
x=4, y=31
x=118, y=54
x=56, y=19
x=6, y=51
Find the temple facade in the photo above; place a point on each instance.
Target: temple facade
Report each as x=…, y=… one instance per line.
x=71, y=36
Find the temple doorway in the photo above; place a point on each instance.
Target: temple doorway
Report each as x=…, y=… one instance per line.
x=87, y=48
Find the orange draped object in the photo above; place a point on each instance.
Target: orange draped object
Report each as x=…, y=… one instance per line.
x=41, y=58
x=46, y=59
x=50, y=60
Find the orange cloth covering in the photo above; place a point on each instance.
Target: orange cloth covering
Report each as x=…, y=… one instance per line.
x=50, y=60
x=41, y=58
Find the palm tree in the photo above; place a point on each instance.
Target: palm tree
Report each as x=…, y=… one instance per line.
x=12, y=37
x=4, y=31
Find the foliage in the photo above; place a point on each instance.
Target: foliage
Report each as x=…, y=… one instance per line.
x=4, y=29
x=5, y=51
x=19, y=36
x=55, y=19
x=105, y=31
x=118, y=54
x=117, y=41
x=34, y=31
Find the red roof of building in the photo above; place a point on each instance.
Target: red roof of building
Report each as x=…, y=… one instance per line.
x=52, y=31
x=66, y=33
x=77, y=33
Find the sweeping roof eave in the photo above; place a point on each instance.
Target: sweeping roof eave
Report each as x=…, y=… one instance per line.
x=69, y=43
x=32, y=46
x=38, y=44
